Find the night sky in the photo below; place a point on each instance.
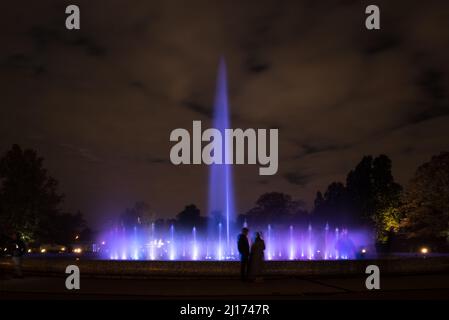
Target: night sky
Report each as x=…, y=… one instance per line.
x=99, y=103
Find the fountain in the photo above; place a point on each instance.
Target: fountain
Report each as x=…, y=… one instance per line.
x=221, y=198
x=293, y=242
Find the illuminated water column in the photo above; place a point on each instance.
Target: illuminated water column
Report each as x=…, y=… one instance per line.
x=326, y=242
x=269, y=242
x=337, y=253
x=172, y=244
x=135, y=245
x=221, y=197
x=124, y=244
x=194, y=245
x=220, y=245
x=152, y=242
x=310, y=244
x=291, y=245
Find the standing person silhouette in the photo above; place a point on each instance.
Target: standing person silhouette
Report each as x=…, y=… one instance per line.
x=243, y=246
x=256, y=258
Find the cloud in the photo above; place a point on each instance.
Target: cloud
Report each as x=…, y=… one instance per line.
x=80, y=152
x=198, y=108
x=114, y=91
x=297, y=178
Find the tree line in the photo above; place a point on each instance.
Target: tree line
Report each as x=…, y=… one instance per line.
x=30, y=203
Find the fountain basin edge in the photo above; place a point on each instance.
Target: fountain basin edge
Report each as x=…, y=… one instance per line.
x=228, y=269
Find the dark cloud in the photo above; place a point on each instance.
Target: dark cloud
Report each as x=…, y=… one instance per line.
x=45, y=37
x=380, y=43
x=297, y=178
x=311, y=149
x=432, y=83
x=90, y=46
x=80, y=152
x=258, y=67
x=138, y=84
x=113, y=91
x=198, y=108
x=158, y=161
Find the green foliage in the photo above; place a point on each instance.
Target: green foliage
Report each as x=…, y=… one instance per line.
x=388, y=220
x=369, y=196
x=426, y=205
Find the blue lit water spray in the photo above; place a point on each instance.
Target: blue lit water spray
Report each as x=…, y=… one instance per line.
x=290, y=242
x=221, y=193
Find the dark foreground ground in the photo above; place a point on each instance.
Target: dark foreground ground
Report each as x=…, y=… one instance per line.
x=423, y=286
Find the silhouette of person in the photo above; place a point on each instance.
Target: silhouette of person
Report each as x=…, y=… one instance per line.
x=256, y=258
x=18, y=251
x=243, y=246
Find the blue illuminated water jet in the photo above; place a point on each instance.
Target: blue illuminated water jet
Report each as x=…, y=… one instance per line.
x=291, y=242
x=221, y=193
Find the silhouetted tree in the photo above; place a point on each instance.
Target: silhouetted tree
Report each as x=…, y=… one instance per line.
x=387, y=195
x=274, y=207
x=369, y=197
x=359, y=185
x=332, y=208
x=63, y=228
x=426, y=207
x=138, y=215
x=190, y=217
x=29, y=199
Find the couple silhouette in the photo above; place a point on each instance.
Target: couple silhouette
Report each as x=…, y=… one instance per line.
x=251, y=257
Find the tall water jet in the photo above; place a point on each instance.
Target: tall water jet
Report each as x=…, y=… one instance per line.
x=326, y=241
x=310, y=244
x=135, y=245
x=172, y=243
x=337, y=254
x=221, y=197
x=220, y=245
x=291, y=245
x=194, y=245
x=152, y=242
x=268, y=244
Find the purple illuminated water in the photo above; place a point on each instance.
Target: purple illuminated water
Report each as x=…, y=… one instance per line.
x=294, y=242
x=221, y=193
x=282, y=243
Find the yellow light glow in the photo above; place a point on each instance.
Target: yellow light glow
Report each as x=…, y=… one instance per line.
x=77, y=250
x=63, y=249
x=424, y=250
x=29, y=250
x=43, y=250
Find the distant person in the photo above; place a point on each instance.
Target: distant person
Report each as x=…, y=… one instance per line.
x=256, y=258
x=243, y=246
x=18, y=251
